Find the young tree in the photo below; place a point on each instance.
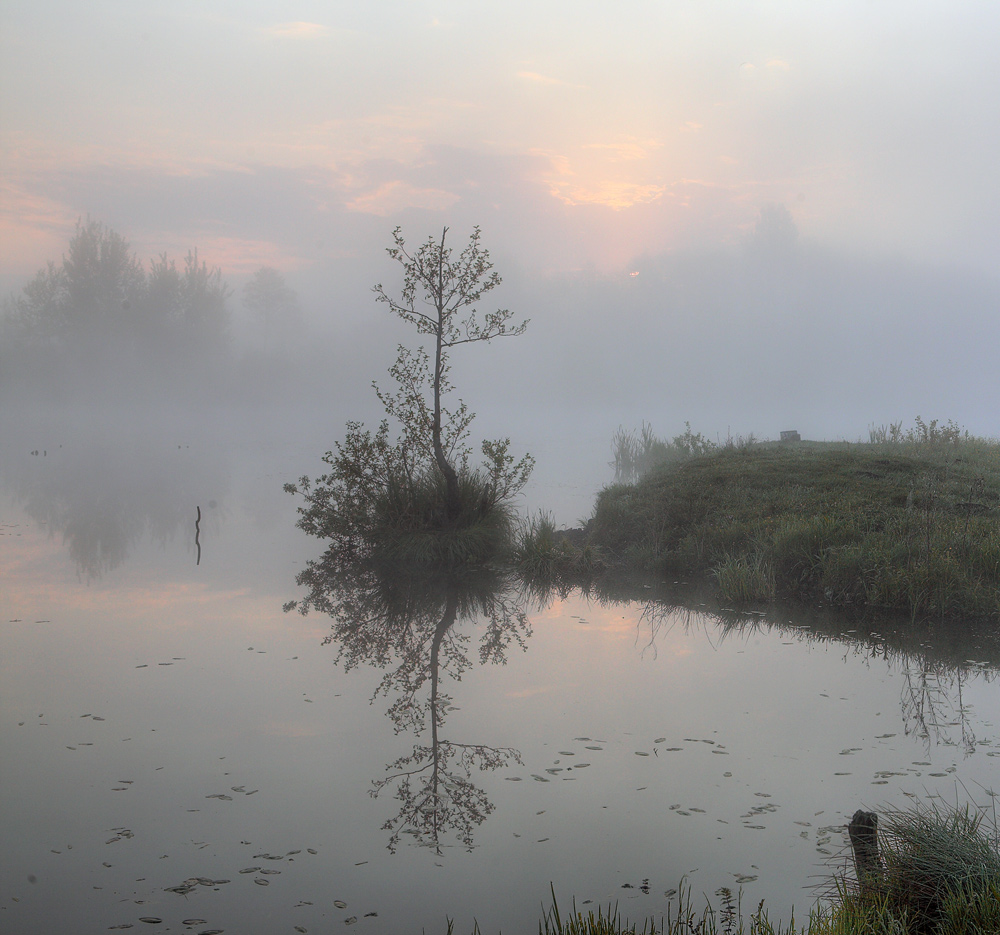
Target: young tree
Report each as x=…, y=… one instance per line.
x=445, y=286
x=411, y=495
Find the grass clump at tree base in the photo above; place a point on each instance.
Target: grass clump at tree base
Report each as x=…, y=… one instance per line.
x=905, y=523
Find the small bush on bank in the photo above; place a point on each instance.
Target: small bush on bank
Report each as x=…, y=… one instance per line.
x=384, y=499
x=939, y=875
x=542, y=555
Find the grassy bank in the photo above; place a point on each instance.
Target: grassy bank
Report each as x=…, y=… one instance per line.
x=907, y=522
x=936, y=872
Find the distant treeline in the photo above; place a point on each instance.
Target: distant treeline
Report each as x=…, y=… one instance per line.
x=100, y=325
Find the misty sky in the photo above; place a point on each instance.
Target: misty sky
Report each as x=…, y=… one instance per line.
x=586, y=139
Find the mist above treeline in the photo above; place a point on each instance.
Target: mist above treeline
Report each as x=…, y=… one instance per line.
x=768, y=334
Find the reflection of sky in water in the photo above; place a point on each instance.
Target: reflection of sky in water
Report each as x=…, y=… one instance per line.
x=711, y=756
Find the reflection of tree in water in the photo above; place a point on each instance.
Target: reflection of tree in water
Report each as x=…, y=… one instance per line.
x=410, y=628
x=934, y=660
x=933, y=705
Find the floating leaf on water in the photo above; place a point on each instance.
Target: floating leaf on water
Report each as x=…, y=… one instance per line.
x=310, y=850
x=538, y=778
x=261, y=882
x=659, y=740
x=508, y=778
x=250, y=870
x=193, y=922
x=289, y=854
x=153, y=920
x=641, y=753
x=270, y=871
x=541, y=840
x=595, y=748
x=581, y=738
x=212, y=932
x=581, y=766
x=566, y=753
x=301, y=928
x=340, y=904
x=370, y=915
x=350, y=920
x=755, y=827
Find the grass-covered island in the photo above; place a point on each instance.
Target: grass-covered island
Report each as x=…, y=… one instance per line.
x=908, y=522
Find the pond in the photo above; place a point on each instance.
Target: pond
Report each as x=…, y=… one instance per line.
x=182, y=754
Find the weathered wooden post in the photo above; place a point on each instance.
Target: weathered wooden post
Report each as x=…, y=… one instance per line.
x=863, y=831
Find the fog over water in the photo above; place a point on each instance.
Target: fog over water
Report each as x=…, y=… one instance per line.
x=743, y=217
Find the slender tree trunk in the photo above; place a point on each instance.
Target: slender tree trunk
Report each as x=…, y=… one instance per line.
x=450, y=613
x=452, y=502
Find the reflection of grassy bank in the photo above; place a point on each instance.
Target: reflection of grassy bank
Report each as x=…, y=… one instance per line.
x=909, y=522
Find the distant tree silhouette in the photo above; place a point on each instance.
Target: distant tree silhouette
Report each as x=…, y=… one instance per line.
x=272, y=302
x=98, y=316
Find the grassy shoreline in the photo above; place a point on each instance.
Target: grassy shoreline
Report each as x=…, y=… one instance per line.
x=906, y=523
x=931, y=869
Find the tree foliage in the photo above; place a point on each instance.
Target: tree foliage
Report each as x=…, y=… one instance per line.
x=438, y=289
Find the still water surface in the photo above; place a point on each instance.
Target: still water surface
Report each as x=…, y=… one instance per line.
x=178, y=748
